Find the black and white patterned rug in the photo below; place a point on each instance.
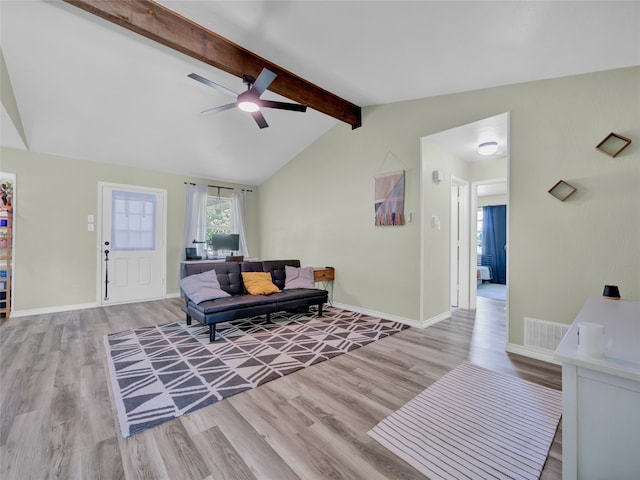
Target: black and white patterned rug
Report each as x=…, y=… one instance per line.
x=162, y=372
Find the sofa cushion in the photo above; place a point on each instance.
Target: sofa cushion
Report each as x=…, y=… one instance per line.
x=202, y=286
x=235, y=302
x=311, y=294
x=259, y=283
x=276, y=269
x=298, y=277
x=228, y=274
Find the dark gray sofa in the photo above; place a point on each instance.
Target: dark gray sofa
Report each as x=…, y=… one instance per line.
x=242, y=304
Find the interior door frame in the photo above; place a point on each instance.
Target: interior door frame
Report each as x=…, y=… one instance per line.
x=460, y=241
x=99, y=241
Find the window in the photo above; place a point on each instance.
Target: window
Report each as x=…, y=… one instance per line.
x=133, y=221
x=218, y=216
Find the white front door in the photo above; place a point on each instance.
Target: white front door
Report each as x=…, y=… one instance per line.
x=133, y=252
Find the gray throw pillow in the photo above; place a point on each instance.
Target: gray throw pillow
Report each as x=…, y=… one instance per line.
x=298, y=277
x=202, y=286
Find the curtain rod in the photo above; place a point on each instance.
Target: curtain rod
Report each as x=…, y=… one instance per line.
x=218, y=186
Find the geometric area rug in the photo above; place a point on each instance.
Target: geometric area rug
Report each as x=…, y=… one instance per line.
x=161, y=372
x=475, y=423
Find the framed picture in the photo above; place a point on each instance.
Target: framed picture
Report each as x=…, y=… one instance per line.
x=613, y=144
x=562, y=190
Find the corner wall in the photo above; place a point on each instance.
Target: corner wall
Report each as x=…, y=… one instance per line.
x=55, y=256
x=319, y=207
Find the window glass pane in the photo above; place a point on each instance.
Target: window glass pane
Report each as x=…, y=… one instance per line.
x=218, y=216
x=133, y=221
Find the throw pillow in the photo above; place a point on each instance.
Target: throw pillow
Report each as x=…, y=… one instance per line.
x=202, y=286
x=298, y=277
x=259, y=283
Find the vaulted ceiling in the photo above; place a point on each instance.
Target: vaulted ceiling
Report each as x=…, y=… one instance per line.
x=89, y=89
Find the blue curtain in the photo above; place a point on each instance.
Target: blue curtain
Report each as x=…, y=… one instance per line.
x=494, y=241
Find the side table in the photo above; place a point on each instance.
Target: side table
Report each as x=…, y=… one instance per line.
x=325, y=276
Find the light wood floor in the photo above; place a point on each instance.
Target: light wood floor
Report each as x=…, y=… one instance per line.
x=58, y=419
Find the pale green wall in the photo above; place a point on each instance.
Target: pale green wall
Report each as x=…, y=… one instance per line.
x=488, y=169
x=319, y=206
x=55, y=255
x=436, y=252
x=487, y=200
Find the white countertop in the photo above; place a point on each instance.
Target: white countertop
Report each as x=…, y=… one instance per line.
x=621, y=319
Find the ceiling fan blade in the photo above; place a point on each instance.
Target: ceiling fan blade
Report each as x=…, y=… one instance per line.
x=263, y=81
x=211, y=84
x=259, y=118
x=296, y=107
x=221, y=108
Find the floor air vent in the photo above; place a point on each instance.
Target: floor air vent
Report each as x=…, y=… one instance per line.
x=543, y=335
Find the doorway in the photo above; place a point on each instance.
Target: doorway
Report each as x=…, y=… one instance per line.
x=132, y=244
x=455, y=155
x=490, y=208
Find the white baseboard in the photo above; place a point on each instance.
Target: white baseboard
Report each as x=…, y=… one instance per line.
x=56, y=309
x=396, y=318
x=67, y=308
x=438, y=318
x=531, y=353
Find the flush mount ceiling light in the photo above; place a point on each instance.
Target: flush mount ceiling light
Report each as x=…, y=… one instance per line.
x=488, y=148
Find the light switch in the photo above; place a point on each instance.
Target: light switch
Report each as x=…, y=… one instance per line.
x=89, y=227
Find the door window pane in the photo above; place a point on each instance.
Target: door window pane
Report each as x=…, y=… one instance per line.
x=133, y=221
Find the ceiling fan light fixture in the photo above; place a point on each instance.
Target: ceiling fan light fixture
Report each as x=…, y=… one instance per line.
x=488, y=148
x=247, y=106
x=249, y=100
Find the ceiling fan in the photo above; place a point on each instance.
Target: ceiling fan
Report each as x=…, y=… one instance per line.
x=249, y=100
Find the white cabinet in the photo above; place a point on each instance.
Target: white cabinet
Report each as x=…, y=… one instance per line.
x=601, y=396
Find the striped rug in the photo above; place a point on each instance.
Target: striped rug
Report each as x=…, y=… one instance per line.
x=475, y=423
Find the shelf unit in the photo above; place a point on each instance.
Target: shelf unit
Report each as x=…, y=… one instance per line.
x=6, y=256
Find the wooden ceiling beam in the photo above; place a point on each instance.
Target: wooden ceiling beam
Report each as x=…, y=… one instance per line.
x=158, y=23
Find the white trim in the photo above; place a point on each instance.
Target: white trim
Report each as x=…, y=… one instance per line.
x=79, y=306
x=56, y=309
x=438, y=318
x=422, y=214
x=531, y=353
x=396, y=318
x=462, y=242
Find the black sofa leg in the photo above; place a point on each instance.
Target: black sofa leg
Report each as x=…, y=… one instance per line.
x=188, y=319
x=268, y=318
x=320, y=309
x=212, y=332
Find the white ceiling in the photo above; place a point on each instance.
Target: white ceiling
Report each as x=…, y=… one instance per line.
x=463, y=141
x=91, y=90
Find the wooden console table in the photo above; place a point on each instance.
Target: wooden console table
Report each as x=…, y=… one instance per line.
x=325, y=276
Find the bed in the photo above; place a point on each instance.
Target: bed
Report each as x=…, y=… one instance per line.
x=484, y=273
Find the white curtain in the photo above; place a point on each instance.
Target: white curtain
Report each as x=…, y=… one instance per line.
x=237, y=219
x=195, y=218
